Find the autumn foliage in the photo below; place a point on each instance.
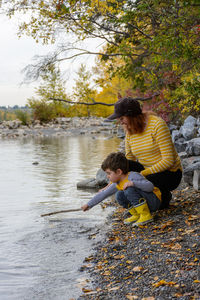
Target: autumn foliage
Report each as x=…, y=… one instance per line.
x=152, y=46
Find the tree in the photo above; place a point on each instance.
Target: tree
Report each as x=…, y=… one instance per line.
x=82, y=90
x=158, y=40
x=52, y=85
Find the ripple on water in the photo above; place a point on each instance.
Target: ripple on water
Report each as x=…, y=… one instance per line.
x=40, y=257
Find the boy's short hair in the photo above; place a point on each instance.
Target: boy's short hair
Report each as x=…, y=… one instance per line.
x=114, y=161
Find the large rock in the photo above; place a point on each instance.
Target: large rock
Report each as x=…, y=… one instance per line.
x=90, y=183
x=180, y=145
x=190, y=164
x=101, y=178
x=100, y=181
x=188, y=130
x=193, y=147
x=175, y=135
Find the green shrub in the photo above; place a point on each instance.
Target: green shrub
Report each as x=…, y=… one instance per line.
x=42, y=111
x=23, y=116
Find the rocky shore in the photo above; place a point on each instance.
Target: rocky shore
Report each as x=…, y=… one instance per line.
x=58, y=127
x=159, y=261
x=154, y=262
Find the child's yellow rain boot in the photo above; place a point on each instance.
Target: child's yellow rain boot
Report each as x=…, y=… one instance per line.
x=133, y=218
x=144, y=213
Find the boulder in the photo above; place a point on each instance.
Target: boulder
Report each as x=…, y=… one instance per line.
x=175, y=135
x=180, y=144
x=188, y=130
x=90, y=183
x=101, y=178
x=193, y=147
x=190, y=164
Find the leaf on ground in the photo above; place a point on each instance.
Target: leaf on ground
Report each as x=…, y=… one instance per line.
x=106, y=273
x=148, y=298
x=193, y=217
x=131, y=297
x=114, y=288
x=167, y=224
x=138, y=269
x=176, y=246
x=119, y=256
x=163, y=282
x=129, y=261
x=155, y=243
x=89, y=258
x=88, y=291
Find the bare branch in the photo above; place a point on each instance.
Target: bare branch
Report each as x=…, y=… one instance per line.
x=84, y=103
x=103, y=103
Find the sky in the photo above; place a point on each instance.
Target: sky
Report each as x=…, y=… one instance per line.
x=17, y=53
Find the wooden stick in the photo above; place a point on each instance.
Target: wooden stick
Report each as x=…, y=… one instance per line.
x=61, y=211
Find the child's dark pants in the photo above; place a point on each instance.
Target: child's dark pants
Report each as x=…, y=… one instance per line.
x=131, y=196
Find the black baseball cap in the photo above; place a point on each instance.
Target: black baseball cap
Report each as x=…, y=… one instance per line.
x=126, y=107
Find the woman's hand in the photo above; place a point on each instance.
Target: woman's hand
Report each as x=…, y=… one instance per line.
x=85, y=207
x=128, y=184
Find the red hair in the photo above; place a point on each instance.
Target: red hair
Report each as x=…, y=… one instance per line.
x=137, y=124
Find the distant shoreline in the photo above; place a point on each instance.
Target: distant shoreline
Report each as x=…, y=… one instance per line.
x=59, y=127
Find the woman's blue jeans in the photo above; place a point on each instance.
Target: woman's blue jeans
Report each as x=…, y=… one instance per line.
x=131, y=196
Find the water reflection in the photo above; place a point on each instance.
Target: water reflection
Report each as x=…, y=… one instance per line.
x=39, y=257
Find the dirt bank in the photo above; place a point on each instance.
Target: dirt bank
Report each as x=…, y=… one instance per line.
x=156, y=261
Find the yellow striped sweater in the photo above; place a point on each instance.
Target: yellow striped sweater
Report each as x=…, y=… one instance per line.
x=153, y=148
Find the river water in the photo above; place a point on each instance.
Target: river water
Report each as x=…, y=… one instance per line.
x=40, y=257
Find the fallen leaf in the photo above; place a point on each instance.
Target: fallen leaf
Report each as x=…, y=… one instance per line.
x=193, y=217
x=89, y=258
x=106, y=273
x=85, y=290
x=114, y=288
x=138, y=269
x=129, y=261
x=169, y=223
x=148, y=298
x=156, y=278
x=119, y=256
x=176, y=246
x=131, y=297
x=163, y=282
x=196, y=281
x=155, y=243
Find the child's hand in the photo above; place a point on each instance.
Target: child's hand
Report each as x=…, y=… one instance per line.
x=85, y=207
x=127, y=184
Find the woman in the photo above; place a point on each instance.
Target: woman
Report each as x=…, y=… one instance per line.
x=149, y=147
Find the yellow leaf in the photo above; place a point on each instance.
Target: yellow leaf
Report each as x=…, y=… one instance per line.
x=106, y=273
x=155, y=243
x=193, y=217
x=131, y=297
x=89, y=258
x=156, y=278
x=138, y=269
x=176, y=246
x=197, y=281
x=129, y=261
x=87, y=290
x=148, y=298
x=163, y=282
x=119, y=256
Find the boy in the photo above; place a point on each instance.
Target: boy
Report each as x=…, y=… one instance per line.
x=132, y=190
